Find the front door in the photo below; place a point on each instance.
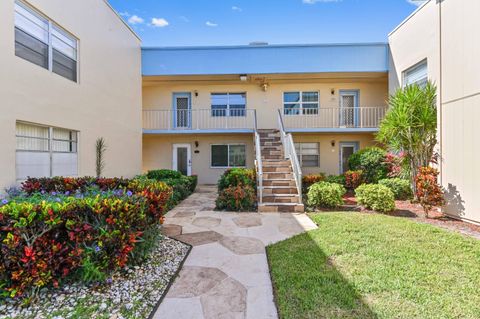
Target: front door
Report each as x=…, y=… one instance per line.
x=181, y=110
x=182, y=160
x=348, y=108
x=346, y=150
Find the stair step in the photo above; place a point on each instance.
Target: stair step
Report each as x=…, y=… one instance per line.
x=280, y=198
x=281, y=208
x=272, y=175
x=277, y=169
x=279, y=183
x=279, y=190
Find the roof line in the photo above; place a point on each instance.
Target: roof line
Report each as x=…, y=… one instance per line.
x=269, y=46
x=123, y=21
x=409, y=17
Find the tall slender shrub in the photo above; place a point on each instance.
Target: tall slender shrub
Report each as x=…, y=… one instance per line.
x=100, y=149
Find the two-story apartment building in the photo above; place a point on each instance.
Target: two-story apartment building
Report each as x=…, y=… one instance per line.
x=70, y=73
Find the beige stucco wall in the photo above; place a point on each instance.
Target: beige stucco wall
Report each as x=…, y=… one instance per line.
x=330, y=156
x=461, y=107
x=105, y=103
x=373, y=93
x=158, y=150
x=445, y=32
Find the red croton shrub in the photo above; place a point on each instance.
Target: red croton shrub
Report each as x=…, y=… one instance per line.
x=43, y=242
x=70, y=184
x=353, y=179
x=429, y=193
x=309, y=180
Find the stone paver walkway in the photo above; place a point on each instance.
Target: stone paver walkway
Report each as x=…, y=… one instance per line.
x=226, y=274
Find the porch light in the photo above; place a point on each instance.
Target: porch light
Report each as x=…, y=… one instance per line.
x=243, y=77
x=332, y=142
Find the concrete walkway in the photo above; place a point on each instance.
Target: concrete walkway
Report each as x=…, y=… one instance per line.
x=226, y=274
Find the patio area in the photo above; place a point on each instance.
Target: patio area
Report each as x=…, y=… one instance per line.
x=226, y=274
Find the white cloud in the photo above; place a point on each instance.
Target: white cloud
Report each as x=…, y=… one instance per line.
x=124, y=14
x=159, y=22
x=211, y=24
x=238, y=9
x=416, y=2
x=315, y=1
x=135, y=20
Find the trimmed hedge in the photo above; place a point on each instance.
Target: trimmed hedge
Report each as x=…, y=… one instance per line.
x=237, y=190
x=237, y=198
x=309, y=180
x=326, y=195
x=376, y=197
x=401, y=188
x=182, y=185
x=371, y=161
x=47, y=238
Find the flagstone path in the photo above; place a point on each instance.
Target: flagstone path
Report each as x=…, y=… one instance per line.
x=226, y=274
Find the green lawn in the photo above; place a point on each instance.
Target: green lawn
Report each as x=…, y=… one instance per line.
x=374, y=266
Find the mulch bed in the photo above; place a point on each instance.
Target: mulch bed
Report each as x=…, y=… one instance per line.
x=415, y=212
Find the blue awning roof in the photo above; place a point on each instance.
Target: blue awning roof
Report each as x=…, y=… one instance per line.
x=265, y=59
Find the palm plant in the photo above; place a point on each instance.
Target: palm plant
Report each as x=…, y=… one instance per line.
x=410, y=126
x=100, y=149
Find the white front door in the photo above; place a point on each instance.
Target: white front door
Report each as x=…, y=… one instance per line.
x=182, y=159
x=346, y=150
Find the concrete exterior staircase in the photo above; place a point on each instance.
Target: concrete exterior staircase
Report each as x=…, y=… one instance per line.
x=279, y=192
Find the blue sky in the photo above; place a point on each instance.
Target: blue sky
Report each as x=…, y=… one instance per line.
x=233, y=22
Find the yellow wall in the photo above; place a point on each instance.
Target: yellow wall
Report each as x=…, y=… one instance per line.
x=158, y=150
x=373, y=93
x=330, y=156
x=106, y=101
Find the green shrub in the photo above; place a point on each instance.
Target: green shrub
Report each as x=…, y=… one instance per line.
x=376, y=197
x=336, y=179
x=236, y=177
x=160, y=174
x=193, y=182
x=309, y=180
x=371, y=161
x=401, y=188
x=324, y=194
x=237, y=198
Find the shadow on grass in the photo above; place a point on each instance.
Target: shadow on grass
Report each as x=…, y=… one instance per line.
x=307, y=284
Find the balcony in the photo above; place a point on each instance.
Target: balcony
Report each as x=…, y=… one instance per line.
x=358, y=119
x=198, y=121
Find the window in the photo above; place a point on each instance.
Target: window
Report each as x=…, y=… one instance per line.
x=295, y=103
x=44, y=151
x=43, y=43
x=228, y=155
x=308, y=154
x=417, y=74
x=228, y=104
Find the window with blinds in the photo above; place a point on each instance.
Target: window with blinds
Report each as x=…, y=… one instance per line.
x=44, y=151
x=42, y=42
x=418, y=74
x=308, y=154
x=228, y=155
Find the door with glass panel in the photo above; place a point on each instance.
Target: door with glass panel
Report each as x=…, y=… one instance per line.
x=348, y=108
x=182, y=160
x=347, y=149
x=182, y=110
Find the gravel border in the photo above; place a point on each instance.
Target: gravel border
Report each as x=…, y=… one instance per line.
x=134, y=292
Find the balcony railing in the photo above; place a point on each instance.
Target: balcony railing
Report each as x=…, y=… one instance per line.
x=328, y=118
x=199, y=119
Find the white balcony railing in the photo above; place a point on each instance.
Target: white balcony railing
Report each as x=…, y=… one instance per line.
x=359, y=117
x=199, y=119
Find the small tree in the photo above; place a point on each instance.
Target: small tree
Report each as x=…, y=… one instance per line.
x=410, y=126
x=428, y=192
x=100, y=149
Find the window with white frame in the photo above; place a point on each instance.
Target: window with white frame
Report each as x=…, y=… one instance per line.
x=42, y=42
x=296, y=103
x=44, y=151
x=418, y=74
x=228, y=104
x=308, y=154
x=228, y=155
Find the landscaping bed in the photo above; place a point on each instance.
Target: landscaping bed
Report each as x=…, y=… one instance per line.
x=131, y=292
x=93, y=245
x=375, y=266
